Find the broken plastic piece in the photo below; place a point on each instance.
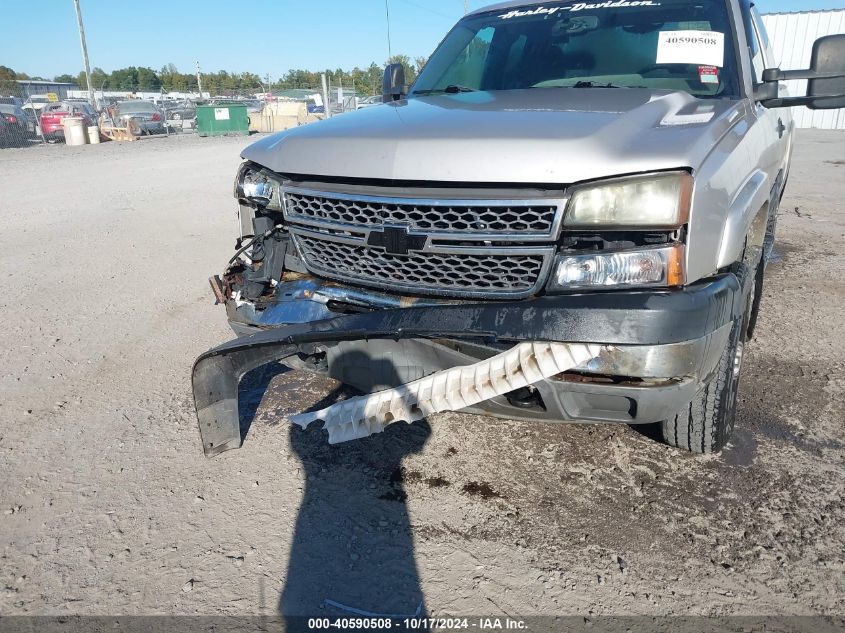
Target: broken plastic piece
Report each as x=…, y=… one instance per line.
x=449, y=390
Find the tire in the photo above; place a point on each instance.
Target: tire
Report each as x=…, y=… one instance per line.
x=706, y=424
x=757, y=299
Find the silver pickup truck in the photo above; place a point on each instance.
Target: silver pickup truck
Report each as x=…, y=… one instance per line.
x=590, y=181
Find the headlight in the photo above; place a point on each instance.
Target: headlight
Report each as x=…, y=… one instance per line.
x=255, y=185
x=658, y=200
x=643, y=268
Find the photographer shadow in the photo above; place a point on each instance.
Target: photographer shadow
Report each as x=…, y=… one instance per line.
x=352, y=553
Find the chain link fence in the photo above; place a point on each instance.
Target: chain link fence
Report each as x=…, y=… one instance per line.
x=33, y=112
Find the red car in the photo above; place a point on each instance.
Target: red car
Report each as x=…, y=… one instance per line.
x=53, y=113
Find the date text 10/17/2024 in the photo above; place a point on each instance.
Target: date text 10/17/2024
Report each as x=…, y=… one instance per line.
x=426, y=624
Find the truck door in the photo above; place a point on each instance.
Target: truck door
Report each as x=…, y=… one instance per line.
x=776, y=124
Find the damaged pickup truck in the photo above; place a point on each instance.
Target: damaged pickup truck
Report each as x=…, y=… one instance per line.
x=566, y=217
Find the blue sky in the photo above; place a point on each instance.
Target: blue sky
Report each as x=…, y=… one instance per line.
x=40, y=38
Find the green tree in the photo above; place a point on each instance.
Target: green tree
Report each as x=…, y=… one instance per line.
x=9, y=87
x=407, y=64
x=124, y=79
x=366, y=81
x=65, y=79
x=148, y=80
x=99, y=78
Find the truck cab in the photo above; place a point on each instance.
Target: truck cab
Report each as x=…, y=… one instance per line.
x=597, y=182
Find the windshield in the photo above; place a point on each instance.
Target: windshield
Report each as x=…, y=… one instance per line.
x=667, y=45
x=129, y=107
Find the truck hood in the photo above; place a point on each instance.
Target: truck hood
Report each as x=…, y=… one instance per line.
x=540, y=136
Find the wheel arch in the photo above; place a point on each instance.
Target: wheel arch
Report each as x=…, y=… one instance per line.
x=747, y=218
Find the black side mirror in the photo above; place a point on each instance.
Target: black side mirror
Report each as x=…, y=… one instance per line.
x=829, y=64
x=826, y=75
x=393, y=85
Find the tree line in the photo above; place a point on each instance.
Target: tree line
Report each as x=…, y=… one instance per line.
x=168, y=79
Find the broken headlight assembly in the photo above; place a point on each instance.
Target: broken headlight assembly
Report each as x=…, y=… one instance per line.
x=258, y=262
x=258, y=187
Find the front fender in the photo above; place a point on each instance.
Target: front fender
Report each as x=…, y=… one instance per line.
x=744, y=219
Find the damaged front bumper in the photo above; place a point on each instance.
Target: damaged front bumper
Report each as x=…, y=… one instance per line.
x=659, y=346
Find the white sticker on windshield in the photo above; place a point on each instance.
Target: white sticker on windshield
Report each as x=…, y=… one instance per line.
x=704, y=48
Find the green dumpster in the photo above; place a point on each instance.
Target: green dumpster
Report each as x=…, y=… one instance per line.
x=217, y=120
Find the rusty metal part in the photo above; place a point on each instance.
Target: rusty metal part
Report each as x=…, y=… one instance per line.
x=218, y=290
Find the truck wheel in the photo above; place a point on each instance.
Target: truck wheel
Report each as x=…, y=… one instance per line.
x=757, y=299
x=706, y=424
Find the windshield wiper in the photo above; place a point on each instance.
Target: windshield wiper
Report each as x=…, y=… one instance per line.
x=450, y=89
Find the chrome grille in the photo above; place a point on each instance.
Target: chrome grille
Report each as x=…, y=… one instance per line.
x=447, y=247
x=449, y=216
x=455, y=272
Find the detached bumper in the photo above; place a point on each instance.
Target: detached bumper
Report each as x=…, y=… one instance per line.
x=656, y=332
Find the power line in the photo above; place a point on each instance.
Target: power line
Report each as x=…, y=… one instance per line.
x=430, y=10
x=387, y=14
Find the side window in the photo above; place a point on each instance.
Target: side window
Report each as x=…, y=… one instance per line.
x=469, y=68
x=755, y=47
x=761, y=32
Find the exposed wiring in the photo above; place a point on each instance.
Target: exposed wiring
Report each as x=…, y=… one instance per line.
x=246, y=246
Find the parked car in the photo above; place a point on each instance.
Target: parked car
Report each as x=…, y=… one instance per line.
x=19, y=122
x=8, y=134
x=33, y=112
x=253, y=105
x=369, y=102
x=146, y=115
x=52, y=115
x=312, y=107
x=566, y=218
x=185, y=110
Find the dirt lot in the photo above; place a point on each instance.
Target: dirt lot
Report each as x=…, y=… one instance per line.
x=109, y=507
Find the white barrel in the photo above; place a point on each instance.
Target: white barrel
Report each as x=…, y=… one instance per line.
x=93, y=134
x=74, y=128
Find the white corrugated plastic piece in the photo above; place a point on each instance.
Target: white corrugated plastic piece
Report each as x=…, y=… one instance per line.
x=449, y=390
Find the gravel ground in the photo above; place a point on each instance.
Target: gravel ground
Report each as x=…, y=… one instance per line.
x=108, y=507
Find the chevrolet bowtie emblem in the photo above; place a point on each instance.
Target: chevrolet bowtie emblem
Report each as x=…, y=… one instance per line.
x=397, y=240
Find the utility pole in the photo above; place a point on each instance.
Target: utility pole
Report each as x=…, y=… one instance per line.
x=199, y=79
x=326, y=108
x=466, y=7
x=82, y=43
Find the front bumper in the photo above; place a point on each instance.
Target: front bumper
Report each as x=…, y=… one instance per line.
x=665, y=344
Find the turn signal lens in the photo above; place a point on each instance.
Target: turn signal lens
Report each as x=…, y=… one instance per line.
x=643, y=268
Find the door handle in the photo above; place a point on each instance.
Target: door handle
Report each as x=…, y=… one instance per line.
x=781, y=128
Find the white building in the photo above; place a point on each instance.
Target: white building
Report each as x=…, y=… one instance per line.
x=792, y=36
